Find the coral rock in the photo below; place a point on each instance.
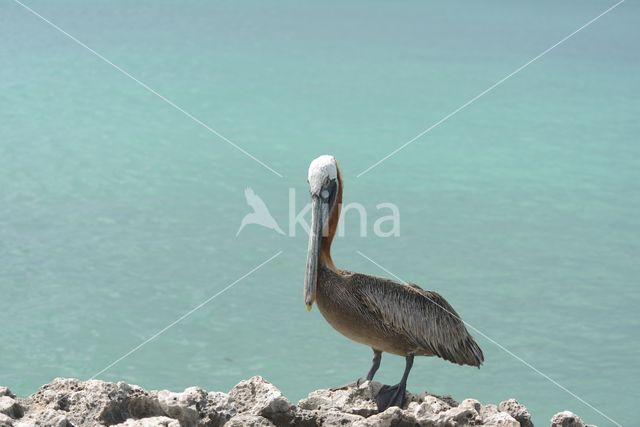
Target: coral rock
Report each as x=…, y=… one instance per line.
x=488, y=411
x=150, y=422
x=6, y=421
x=517, y=411
x=393, y=416
x=4, y=391
x=249, y=420
x=184, y=407
x=220, y=408
x=501, y=419
x=10, y=407
x=357, y=400
x=253, y=402
x=256, y=396
x=566, y=419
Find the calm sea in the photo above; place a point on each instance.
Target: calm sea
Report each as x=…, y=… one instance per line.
x=118, y=213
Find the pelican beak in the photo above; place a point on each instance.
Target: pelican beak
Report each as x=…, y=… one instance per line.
x=313, y=253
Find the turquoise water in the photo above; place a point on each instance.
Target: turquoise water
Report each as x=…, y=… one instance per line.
x=118, y=214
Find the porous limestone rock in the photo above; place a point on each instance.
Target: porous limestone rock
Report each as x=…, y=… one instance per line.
x=337, y=419
x=488, y=411
x=457, y=416
x=6, y=421
x=471, y=403
x=94, y=402
x=425, y=406
x=566, y=419
x=252, y=402
x=185, y=407
x=392, y=416
x=256, y=396
x=357, y=400
x=517, y=411
x=4, y=391
x=501, y=419
x=249, y=420
x=47, y=417
x=150, y=422
x=10, y=407
x=220, y=408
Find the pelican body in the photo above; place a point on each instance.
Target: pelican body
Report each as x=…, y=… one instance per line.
x=386, y=315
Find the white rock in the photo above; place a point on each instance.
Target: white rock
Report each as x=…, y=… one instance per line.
x=150, y=422
x=358, y=400
x=4, y=391
x=93, y=402
x=392, y=416
x=249, y=420
x=566, y=419
x=46, y=417
x=253, y=402
x=185, y=406
x=501, y=419
x=436, y=405
x=220, y=408
x=419, y=410
x=460, y=415
x=488, y=410
x=471, y=403
x=421, y=397
x=517, y=411
x=337, y=418
x=6, y=421
x=10, y=407
x=256, y=396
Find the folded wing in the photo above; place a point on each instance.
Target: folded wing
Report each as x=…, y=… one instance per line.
x=423, y=317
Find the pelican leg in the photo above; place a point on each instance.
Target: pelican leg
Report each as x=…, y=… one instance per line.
x=377, y=356
x=394, y=395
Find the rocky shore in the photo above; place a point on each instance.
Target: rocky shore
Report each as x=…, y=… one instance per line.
x=253, y=402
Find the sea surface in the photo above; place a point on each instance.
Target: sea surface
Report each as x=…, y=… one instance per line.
x=119, y=211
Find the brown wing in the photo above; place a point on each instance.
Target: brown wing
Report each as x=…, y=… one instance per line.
x=423, y=317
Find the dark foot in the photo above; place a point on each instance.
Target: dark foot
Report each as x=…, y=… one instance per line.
x=353, y=384
x=390, y=395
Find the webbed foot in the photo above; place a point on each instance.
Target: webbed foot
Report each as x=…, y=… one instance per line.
x=390, y=396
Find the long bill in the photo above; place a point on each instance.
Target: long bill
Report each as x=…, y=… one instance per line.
x=313, y=252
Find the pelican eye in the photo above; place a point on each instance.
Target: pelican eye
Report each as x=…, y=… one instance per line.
x=325, y=194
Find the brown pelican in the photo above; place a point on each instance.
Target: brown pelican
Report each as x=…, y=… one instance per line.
x=388, y=316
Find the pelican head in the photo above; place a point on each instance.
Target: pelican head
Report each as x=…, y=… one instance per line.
x=323, y=188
